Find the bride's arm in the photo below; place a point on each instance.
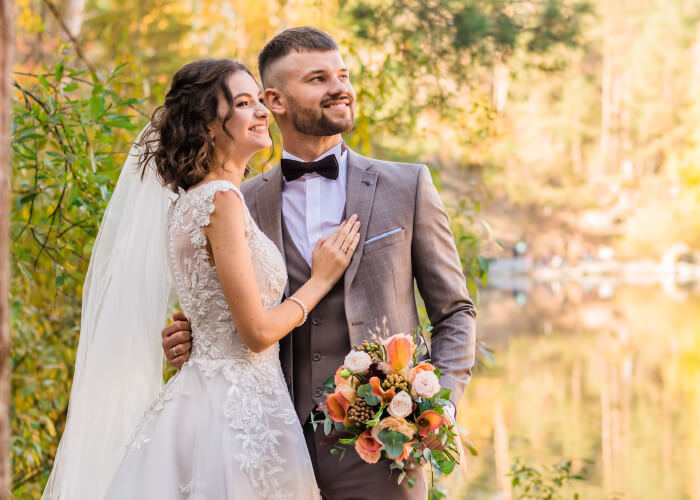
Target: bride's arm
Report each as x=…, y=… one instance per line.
x=260, y=328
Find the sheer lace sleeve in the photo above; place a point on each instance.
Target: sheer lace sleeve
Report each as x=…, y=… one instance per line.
x=203, y=213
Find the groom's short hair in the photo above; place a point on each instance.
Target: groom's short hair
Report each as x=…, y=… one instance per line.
x=304, y=38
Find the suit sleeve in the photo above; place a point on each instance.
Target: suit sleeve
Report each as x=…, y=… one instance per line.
x=441, y=283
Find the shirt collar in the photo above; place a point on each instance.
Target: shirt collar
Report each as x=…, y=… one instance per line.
x=339, y=150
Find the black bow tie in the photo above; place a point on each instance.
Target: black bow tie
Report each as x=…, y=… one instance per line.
x=326, y=166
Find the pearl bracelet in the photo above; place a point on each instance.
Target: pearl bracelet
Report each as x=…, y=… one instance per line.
x=303, y=309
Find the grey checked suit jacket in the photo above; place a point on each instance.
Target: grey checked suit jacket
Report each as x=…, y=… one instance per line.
x=404, y=235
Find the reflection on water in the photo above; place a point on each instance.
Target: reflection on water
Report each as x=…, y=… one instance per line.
x=610, y=378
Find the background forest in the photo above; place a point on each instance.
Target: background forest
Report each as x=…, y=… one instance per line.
x=568, y=124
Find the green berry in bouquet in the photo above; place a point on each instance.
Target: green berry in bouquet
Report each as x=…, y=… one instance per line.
x=395, y=381
x=374, y=349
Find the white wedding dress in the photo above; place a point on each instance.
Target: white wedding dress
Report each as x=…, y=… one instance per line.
x=224, y=427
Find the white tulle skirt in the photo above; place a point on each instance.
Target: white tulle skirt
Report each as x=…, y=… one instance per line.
x=220, y=430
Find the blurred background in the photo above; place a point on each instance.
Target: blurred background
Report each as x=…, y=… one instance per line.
x=563, y=136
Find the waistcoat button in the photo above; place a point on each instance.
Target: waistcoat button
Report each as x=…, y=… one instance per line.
x=316, y=356
x=317, y=393
x=315, y=321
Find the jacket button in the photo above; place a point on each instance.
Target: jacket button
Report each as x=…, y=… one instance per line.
x=317, y=393
x=316, y=356
x=315, y=321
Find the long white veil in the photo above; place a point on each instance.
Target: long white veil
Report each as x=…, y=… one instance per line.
x=118, y=368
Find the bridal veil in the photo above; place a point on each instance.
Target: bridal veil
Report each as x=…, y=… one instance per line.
x=118, y=368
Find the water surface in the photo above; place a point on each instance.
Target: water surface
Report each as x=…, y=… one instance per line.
x=608, y=376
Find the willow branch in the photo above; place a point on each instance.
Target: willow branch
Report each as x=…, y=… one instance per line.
x=76, y=44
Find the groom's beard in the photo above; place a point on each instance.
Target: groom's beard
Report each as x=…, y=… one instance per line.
x=310, y=121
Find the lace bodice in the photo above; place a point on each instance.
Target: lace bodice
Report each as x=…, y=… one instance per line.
x=261, y=445
x=198, y=287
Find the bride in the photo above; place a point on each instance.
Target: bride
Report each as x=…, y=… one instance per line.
x=224, y=427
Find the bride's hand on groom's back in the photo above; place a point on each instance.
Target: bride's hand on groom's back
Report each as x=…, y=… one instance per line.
x=177, y=340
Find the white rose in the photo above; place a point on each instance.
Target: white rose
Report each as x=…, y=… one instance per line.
x=401, y=405
x=358, y=362
x=426, y=384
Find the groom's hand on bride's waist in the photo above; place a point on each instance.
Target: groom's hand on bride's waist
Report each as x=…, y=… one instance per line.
x=177, y=340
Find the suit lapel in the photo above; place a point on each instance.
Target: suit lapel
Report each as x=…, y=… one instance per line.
x=268, y=207
x=268, y=202
x=362, y=183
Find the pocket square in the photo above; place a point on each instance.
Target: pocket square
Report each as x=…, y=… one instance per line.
x=384, y=235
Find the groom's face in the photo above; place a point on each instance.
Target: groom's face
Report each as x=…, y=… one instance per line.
x=314, y=92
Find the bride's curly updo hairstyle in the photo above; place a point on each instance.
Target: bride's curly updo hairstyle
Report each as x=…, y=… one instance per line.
x=177, y=139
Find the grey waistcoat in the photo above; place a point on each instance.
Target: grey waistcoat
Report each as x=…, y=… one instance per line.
x=319, y=346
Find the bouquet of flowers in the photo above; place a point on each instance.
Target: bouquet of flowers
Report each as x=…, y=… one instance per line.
x=387, y=404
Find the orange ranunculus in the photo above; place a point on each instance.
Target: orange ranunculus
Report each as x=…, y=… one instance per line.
x=428, y=421
x=337, y=407
x=399, y=349
x=422, y=367
x=378, y=391
x=369, y=449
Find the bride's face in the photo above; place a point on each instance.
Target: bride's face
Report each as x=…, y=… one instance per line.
x=248, y=126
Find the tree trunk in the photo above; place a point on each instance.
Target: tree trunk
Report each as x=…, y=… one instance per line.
x=6, y=49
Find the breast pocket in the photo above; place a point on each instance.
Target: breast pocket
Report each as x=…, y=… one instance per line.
x=384, y=240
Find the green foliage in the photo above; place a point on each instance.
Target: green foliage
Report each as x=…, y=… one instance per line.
x=393, y=442
x=472, y=234
x=150, y=35
x=67, y=131
x=436, y=493
x=531, y=483
x=365, y=391
x=430, y=53
x=478, y=29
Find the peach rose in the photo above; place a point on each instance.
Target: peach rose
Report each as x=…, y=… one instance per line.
x=422, y=367
x=426, y=384
x=401, y=405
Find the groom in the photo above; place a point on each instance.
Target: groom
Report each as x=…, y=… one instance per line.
x=405, y=236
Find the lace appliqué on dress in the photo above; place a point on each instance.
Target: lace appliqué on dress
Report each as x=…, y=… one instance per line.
x=169, y=391
x=255, y=380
